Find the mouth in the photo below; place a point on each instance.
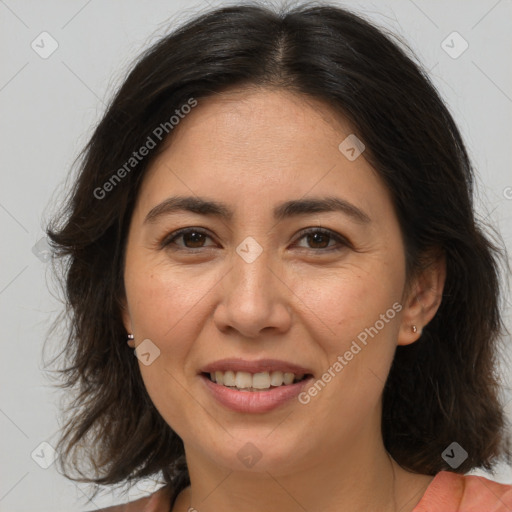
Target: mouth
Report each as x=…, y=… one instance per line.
x=254, y=382
x=255, y=376
x=254, y=386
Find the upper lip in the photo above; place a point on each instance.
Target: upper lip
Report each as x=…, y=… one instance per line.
x=261, y=365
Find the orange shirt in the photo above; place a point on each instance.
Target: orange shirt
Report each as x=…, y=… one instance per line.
x=451, y=492
x=448, y=492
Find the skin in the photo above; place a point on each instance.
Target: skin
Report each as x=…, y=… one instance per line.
x=298, y=301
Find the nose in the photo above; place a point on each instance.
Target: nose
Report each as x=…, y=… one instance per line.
x=254, y=298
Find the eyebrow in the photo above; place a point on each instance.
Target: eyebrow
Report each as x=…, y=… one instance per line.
x=282, y=211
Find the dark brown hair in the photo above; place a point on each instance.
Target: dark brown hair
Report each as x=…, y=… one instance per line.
x=440, y=389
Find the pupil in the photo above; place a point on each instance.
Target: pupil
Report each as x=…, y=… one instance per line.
x=195, y=236
x=319, y=236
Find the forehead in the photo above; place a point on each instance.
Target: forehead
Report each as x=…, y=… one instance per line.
x=259, y=143
x=245, y=118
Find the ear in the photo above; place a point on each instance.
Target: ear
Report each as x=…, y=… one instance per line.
x=422, y=299
x=125, y=314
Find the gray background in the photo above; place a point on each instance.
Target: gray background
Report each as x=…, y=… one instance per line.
x=48, y=108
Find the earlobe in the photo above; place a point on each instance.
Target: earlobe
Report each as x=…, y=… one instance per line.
x=409, y=333
x=423, y=301
x=127, y=323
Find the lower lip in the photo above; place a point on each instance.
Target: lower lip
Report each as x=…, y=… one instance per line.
x=254, y=401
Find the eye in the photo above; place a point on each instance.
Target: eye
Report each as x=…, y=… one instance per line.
x=320, y=238
x=193, y=238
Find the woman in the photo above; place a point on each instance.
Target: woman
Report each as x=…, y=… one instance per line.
x=276, y=213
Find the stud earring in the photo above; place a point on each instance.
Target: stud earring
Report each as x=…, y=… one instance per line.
x=130, y=338
x=414, y=328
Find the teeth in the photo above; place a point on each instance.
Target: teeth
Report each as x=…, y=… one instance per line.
x=229, y=378
x=261, y=380
x=243, y=380
x=276, y=379
x=246, y=381
x=288, y=378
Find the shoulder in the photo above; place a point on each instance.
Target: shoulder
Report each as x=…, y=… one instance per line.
x=451, y=492
x=159, y=501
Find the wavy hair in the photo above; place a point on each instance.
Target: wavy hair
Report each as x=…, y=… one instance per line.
x=442, y=388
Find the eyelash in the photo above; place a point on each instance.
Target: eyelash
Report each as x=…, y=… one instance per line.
x=168, y=240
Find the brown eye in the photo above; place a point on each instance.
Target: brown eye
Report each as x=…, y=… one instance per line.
x=318, y=239
x=193, y=238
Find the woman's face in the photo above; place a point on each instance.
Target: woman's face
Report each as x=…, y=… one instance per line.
x=254, y=287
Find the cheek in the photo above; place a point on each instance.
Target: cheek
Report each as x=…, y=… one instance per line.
x=342, y=303
x=164, y=307
x=163, y=301
x=353, y=317
x=357, y=350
